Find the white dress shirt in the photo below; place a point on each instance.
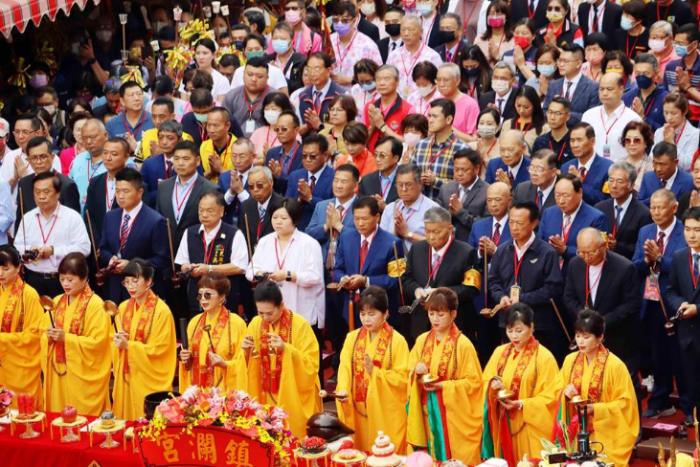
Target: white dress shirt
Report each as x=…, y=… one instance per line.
x=306, y=296
x=239, y=249
x=688, y=138
x=547, y=191
x=497, y=99
x=243, y=195
x=502, y=225
x=521, y=251
x=599, y=21
x=64, y=230
x=594, y=277
x=608, y=128
x=667, y=234
x=574, y=83
x=624, y=207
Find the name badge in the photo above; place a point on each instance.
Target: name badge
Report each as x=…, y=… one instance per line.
x=651, y=288
x=606, y=151
x=250, y=126
x=515, y=294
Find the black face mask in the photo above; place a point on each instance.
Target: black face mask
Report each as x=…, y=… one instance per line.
x=447, y=36
x=393, y=29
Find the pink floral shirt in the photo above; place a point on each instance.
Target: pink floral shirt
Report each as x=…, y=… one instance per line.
x=360, y=47
x=405, y=62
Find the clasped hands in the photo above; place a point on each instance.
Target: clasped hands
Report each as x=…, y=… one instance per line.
x=353, y=282
x=215, y=360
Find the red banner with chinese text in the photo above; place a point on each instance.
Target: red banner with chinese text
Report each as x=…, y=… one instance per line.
x=206, y=446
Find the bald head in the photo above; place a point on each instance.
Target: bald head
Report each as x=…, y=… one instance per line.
x=590, y=235
x=611, y=90
x=498, y=199
x=591, y=246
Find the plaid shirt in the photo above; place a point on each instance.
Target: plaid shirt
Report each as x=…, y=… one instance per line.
x=439, y=159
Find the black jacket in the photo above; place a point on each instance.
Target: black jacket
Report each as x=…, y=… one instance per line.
x=294, y=65
x=249, y=207
x=636, y=217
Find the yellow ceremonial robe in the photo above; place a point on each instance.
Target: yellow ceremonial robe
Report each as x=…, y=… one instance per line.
x=536, y=419
x=206, y=150
x=85, y=384
x=299, y=383
x=20, y=365
x=151, y=363
x=616, y=416
x=461, y=395
x=235, y=375
x=386, y=395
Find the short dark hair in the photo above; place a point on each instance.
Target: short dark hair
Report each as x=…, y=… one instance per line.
x=327, y=61
x=293, y=208
x=228, y=60
x=31, y=117
x=217, y=281
x=138, y=267
x=258, y=62
x=55, y=181
x=575, y=49
x=293, y=114
x=472, y=155
x=596, y=38
x=693, y=214
x=349, y=168
x=663, y=148
x=563, y=101
x=217, y=196
x=254, y=36
x=221, y=110
x=9, y=256
x=355, y=132
x=187, y=146
x=46, y=90
x=128, y=85
x=635, y=8
x=627, y=67
x=317, y=139
x=75, y=264
x=373, y=296
x=643, y=128
x=131, y=175
x=442, y=299
x=519, y=312
x=447, y=106
x=366, y=202
x=426, y=70
x=396, y=145
x=344, y=7
x=409, y=169
x=347, y=103
x=256, y=18
x=691, y=30
x=268, y=292
x=417, y=121
x=166, y=101
x=547, y=155
x=38, y=141
x=575, y=181
x=590, y=132
x=201, y=97
x=163, y=85
x=121, y=142
x=534, y=211
x=202, y=80
x=590, y=322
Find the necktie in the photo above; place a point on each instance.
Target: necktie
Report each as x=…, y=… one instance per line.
x=364, y=248
x=511, y=178
x=663, y=183
x=566, y=228
x=435, y=264
x=169, y=168
x=312, y=185
x=540, y=198
x=317, y=101
x=340, y=209
x=261, y=213
x=449, y=56
x=618, y=213
x=496, y=237
x=568, y=90
x=532, y=7
x=125, y=227
x=462, y=193
x=594, y=26
x=582, y=171
x=696, y=266
x=660, y=241
x=500, y=106
x=393, y=46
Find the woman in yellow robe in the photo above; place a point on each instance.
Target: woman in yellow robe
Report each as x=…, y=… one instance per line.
x=602, y=379
x=373, y=373
x=283, y=358
x=144, y=349
x=75, y=353
x=225, y=367
x=527, y=369
x=20, y=319
x=444, y=415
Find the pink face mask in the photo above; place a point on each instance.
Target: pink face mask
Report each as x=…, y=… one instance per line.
x=412, y=139
x=292, y=17
x=497, y=22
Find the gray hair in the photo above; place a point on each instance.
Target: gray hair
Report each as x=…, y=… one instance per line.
x=172, y=126
x=665, y=26
x=626, y=167
x=505, y=65
x=517, y=134
x=437, y=214
x=666, y=194
x=590, y=232
x=392, y=68
x=96, y=122
x=415, y=19
x=259, y=168
x=455, y=17
x=454, y=68
x=409, y=169
x=112, y=86
x=647, y=58
x=248, y=143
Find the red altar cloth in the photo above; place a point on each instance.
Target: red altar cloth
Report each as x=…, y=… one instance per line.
x=43, y=451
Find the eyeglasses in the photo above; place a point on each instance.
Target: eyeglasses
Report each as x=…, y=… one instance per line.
x=382, y=155
x=130, y=284
x=204, y=295
x=40, y=157
x=291, y=8
x=344, y=19
x=309, y=157
x=316, y=69
x=23, y=132
x=405, y=186
x=557, y=114
x=633, y=140
x=257, y=186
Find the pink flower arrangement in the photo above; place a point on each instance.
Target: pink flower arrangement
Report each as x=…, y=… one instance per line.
x=5, y=398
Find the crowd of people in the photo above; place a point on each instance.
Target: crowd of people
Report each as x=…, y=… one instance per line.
x=449, y=197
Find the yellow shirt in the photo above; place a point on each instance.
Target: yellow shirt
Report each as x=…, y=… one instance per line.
x=151, y=362
x=207, y=149
x=151, y=137
x=227, y=346
x=385, y=408
x=20, y=365
x=83, y=381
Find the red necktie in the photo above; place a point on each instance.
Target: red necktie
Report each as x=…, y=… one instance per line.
x=312, y=185
x=511, y=178
x=496, y=237
x=363, y=253
x=582, y=171
x=663, y=183
x=660, y=241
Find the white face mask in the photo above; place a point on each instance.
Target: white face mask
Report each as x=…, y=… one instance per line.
x=412, y=139
x=271, y=116
x=657, y=45
x=103, y=36
x=425, y=90
x=222, y=29
x=501, y=87
x=368, y=9
x=486, y=131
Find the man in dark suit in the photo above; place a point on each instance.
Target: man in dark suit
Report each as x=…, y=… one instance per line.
x=451, y=38
x=364, y=258
x=512, y=167
x=133, y=230
x=178, y=197
x=285, y=158
x=561, y=224
x=234, y=183
x=524, y=9
x=656, y=247
x=382, y=183
x=666, y=174
x=526, y=269
x=314, y=182
x=608, y=283
x=601, y=16
x=683, y=296
x=543, y=175
x=392, y=24
x=314, y=101
x=579, y=90
x=502, y=100
x=588, y=166
x=257, y=208
x=441, y=261
x=40, y=156
x=624, y=214
x=465, y=197
x=160, y=167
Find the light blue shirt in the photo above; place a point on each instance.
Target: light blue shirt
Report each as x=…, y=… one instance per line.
x=7, y=211
x=413, y=216
x=181, y=193
x=83, y=170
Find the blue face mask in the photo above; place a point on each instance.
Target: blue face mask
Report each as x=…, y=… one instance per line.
x=626, y=23
x=681, y=50
x=342, y=28
x=201, y=118
x=472, y=72
x=368, y=86
x=280, y=46
x=238, y=45
x=424, y=8
x=644, y=82
x=547, y=70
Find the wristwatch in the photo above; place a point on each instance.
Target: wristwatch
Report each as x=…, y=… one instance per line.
x=383, y=128
x=289, y=276
x=410, y=235
x=211, y=268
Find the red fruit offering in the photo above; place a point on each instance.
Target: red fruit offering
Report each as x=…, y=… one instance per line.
x=22, y=404
x=69, y=414
x=29, y=404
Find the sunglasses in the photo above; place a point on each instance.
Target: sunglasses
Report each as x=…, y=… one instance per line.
x=633, y=140
x=204, y=295
x=310, y=157
x=257, y=186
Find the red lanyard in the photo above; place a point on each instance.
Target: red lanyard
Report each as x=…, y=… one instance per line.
x=627, y=46
x=692, y=271
x=388, y=109
x=583, y=179
x=597, y=20
x=291, y=154
x=471, y=89
x=407, y=71
x=658, y=12
x=251, y=109
x=561, y=152
x=203, y=134
x=649, y=107
x=518, y=124
x=488, y=153
x=267, y=138
x=179, y=205
x=388, y=185
x=122, y=239
x=607, y=130
x=565, y=233
x=140, y=123
x=516, y=263
x=223, y=156
x=347, y=50
x=676, y=140
x=615, y=221
x=89, y=165
x=589, y=288
x=408, y=217
x=38, y=220
x=280, y=266
x=430, y=154
x=433, y=272
x=530, y=14
x=109, y=201
x=208, y=249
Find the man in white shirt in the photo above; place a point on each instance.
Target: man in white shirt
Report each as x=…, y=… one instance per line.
x=234, y=184
x=47, y=234
x=609, y=119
